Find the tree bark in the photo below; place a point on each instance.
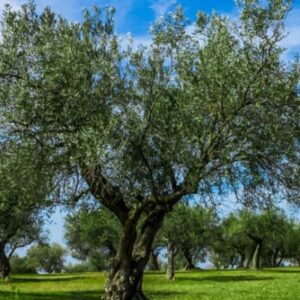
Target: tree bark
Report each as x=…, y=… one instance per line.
x=125, y=282
x=249, y=257
x=126, y=273
x=255, y=264
x=171, y=261
x=153, y=263
x=5, y=268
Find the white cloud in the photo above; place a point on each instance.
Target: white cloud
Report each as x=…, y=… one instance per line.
x=160, y=7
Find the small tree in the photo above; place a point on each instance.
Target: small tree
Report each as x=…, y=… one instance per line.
x=93, y=235
x=254, y=239
x=48, y=258
x=189, y=231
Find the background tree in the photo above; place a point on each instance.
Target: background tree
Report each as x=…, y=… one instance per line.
x=48, y=258
x=292, y=243
x=20, y=265
x=253, y=239
x=93, y=235
x=187, y=231
x=24, y=186
x=195, y=112
x=231, y=246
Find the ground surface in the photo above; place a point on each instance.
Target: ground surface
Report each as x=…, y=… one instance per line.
x=269, y=284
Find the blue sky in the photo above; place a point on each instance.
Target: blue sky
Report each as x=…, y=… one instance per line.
x=136, y=16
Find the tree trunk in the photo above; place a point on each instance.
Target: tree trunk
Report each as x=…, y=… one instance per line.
x=4, y=263
x=189, y=265
x=125, y=283
x=275, y=258
x=126, y=272
x=255, y=264
x=242, y=260
x=153, y=263
x=249, y=257
x=278, y=263
x=171, y=261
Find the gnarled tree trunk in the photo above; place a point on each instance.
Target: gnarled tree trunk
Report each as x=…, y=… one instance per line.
x=4, y=263
x=171, y=261
x=125, y=282
x=126, y=273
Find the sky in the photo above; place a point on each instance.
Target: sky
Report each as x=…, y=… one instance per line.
x=136, y=16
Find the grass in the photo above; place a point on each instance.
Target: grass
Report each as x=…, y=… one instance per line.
x=282, y=283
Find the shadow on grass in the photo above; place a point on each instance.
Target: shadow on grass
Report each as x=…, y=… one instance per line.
x=47, y=279
x=283, y=271
x=82, y=295
x=226, y=278
x=163, y=294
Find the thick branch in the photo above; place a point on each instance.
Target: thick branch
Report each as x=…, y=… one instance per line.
x=108, y=194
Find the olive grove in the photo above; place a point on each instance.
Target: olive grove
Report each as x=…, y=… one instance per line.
x=207, y=112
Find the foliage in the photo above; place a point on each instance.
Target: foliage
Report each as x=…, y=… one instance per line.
x=203, y=112
x=191, y=229
x=48, y=258
x=77, y=268
x=23, y=199
x=93, y=235
x=19, y=265
x=242, y=232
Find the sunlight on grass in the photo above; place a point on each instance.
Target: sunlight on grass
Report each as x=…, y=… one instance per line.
x=282, y=283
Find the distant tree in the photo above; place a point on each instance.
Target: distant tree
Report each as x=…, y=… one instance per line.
x=233, y=248
x=49, y=258
x=20, y=265
x=196, y=112
x=77, y=268
x=293, y=244
x=93, y=235
x=253, y=239
x=188, y=230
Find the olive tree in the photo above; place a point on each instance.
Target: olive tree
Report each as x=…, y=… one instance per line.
x=93, y=235
x=140, y=129
x=254, y=239
x=45, y=257
x=23, y=197
x=189, y=231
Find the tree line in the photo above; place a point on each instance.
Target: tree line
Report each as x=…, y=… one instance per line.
x=191, y=235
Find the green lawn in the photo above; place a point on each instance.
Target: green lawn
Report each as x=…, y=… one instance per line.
x=272, y=284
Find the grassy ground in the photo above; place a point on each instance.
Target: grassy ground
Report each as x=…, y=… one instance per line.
x=270, y=284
